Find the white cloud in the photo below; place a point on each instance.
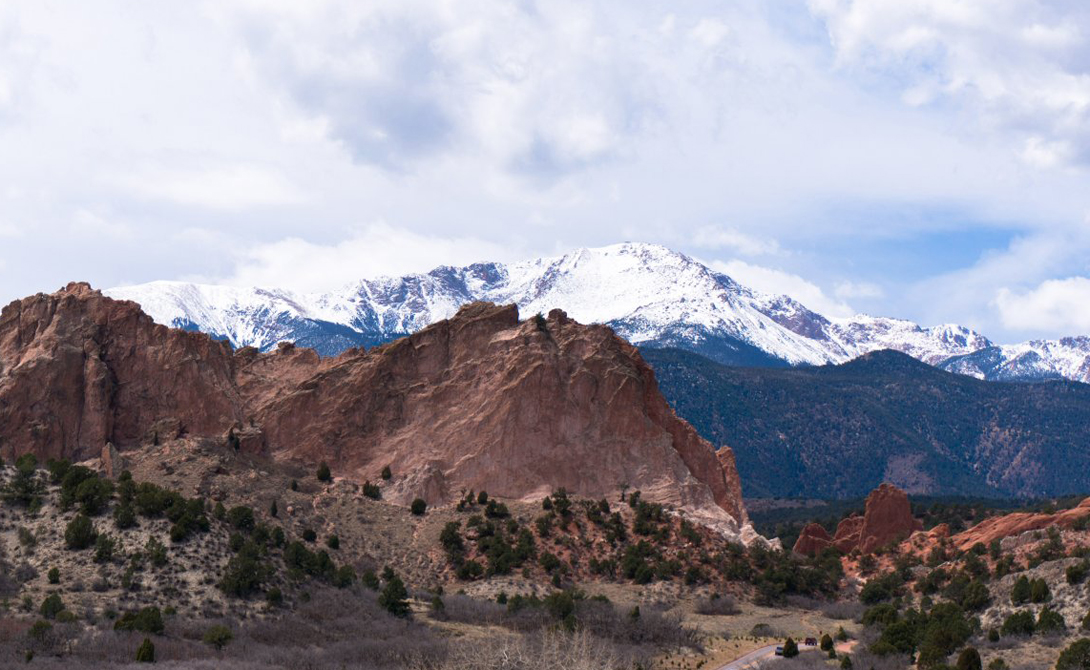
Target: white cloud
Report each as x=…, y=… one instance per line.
x=1015, y=65
x=846, y=290
x=718, y=237
x=377, y=250
x=1056, y=305
x=778, y=282
x=226, y=187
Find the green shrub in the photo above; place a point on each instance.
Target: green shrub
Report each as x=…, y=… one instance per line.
x=51, y=606
x=324, y=475
x=147, y=620
x=1076, y=574
x=145, y=653
x=1050, y=621
x=419, y=506
x=1039, y=592
x=274, y=597
x=218, y=637
x=219, y=512
x=1019, y=623
x=790, y=648
x=309, y=535
x=372, y=491
x=241, y=517
x=549, y=562
x=80, y=533
x=245, y=572
x=124, y=516
x=386, y=474
x=333, y=542
x=826, y=642
x=1075, y=657
x=54, y=576
x=39, y=630
x=969, y=659
x=344, y=577
x=1020, y=593
x=25, y=487
x=104, y=548
x=394, y=597
x=470, y=570
x=156, y=552
x=273, y=511
x=66, y=616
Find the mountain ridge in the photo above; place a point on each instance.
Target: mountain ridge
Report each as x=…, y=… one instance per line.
x=837, y=431
x=650, y=295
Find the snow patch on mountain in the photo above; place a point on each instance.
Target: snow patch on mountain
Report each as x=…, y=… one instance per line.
x=648, y=293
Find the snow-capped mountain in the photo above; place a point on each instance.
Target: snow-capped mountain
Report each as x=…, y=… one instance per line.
x=651, y=295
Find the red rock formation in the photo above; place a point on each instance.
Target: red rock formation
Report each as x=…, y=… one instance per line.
x=886, y=519
x=813, y=540
x=480, y=401
x=1008, y=525
x=847, y=533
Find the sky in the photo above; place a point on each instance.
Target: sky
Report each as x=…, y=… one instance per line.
x=925, y=159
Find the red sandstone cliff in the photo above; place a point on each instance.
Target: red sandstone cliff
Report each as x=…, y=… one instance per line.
x=479, y=401
x=887, y=518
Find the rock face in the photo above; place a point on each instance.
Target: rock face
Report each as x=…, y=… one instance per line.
x=998, y=527
x=480, y=401
x=887, y=519
x=813, y=540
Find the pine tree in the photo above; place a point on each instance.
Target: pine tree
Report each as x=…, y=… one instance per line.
x=394, y=597
x=323, y=473
x=790, y=648
x=145, y=653
x=969, y=659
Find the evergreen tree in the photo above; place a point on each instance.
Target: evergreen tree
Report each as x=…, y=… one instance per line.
x=790, y=648
x=324, y=474
x=1020, y=594
x=145, y=653
x=1039, y=592
x=969, y=659
x=394, y=597
x=419, y=506
x=1075, y=657
x=80, y=533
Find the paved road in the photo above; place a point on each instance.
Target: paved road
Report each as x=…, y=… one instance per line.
x=755, y=656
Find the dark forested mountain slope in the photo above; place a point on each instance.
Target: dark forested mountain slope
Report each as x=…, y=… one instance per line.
x=838, y=431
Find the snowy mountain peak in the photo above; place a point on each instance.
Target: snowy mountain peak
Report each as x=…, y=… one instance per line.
x=650, y=294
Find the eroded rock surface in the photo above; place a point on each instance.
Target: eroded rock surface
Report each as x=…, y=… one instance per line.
x=480, y=401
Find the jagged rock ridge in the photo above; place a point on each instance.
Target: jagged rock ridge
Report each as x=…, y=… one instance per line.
x=479, y=401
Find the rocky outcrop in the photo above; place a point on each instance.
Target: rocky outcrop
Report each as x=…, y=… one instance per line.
x=480, y=401
x=813, y=540
x=1008, y=525
x=887, y=519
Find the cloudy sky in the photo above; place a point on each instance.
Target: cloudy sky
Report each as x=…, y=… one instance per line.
x=919, y=158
